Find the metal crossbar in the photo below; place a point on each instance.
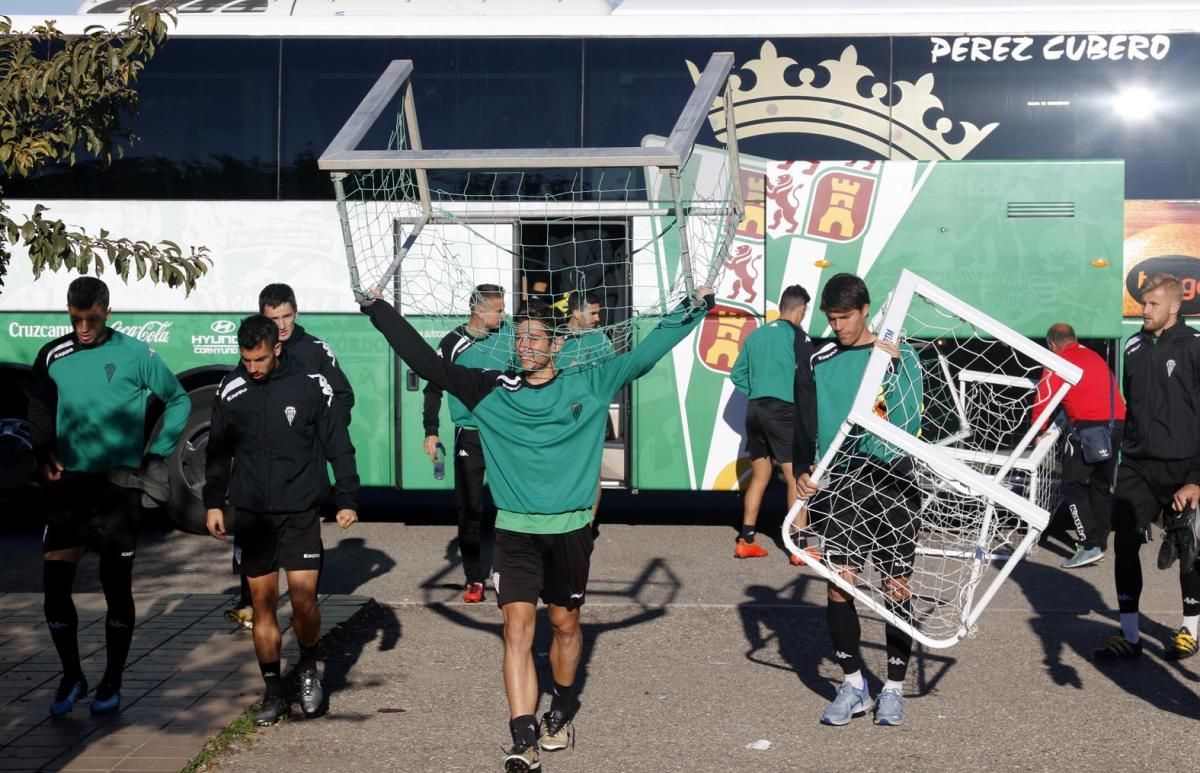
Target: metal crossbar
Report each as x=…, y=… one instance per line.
x=344, y=155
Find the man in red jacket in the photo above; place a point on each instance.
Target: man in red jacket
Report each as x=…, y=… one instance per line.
x=1087, y=488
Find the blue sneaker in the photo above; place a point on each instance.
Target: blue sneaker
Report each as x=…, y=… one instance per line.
x=70, y=689
x=890, y=708
x=850, y=702
x=1084, y=557
x=107, y=699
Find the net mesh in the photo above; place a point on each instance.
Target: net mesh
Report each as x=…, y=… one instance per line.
x=608, y=238
x=897, y=523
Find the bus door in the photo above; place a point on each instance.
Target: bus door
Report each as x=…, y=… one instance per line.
x=590, y=256
x=483, y=253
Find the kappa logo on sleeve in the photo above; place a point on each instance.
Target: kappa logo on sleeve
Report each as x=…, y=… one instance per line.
x=325, y=388
x=233, y=389
x=328, y=351
x=511, y=383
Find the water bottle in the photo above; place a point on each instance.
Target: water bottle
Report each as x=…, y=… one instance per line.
x=439, y=462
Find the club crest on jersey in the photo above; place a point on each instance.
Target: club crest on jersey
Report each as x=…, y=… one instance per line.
x=290, y=413
x=1170, y=367
x=576, y=409
x=110, y=370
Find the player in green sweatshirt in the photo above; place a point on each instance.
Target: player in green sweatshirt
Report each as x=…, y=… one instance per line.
x=532, y=421
x=870, y=511
x=765, y=373
x=87, y=409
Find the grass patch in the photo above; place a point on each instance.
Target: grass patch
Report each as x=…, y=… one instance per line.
x=235, y=731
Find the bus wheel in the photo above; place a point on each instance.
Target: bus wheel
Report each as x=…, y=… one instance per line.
x=186, y=468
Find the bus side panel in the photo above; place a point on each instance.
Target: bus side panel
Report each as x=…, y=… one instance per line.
x=1029, y=243
x=415, y=468
x=188, y=341
x=688, y=421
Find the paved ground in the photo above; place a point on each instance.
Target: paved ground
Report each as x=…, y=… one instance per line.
x=188, y=676
x=691, y=657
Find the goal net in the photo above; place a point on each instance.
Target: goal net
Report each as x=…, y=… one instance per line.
x=938, y=482
x=628, y=230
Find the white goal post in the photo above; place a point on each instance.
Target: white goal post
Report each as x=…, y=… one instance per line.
x=964, y=472
x=392, y=209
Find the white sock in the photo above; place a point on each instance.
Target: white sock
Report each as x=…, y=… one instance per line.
x=894, y=685
x=1191, y=622
x=857, y=679
x=1129, y=627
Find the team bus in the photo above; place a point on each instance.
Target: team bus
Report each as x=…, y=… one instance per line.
x=1035, y=162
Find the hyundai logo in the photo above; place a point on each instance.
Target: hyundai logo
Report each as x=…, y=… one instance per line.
x=223, y=327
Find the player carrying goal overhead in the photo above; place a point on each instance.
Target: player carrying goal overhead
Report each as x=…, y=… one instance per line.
x=533, y=420
x=871, y=514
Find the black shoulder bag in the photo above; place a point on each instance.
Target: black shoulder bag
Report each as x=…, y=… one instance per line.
x=1095, y=443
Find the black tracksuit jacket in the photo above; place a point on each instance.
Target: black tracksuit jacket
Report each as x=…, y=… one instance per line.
x=313, y=353
x=281, y=431
x=1161, y=383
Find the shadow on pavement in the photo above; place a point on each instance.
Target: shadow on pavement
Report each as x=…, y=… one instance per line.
x=1061, y=602
x=350, y=564
x=655, y=587
x=342, y=647
x=801, y=638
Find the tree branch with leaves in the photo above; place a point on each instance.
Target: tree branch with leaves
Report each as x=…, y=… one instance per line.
x=63, y=95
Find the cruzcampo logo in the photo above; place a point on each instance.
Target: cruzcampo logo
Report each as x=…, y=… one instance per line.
x=722, y=334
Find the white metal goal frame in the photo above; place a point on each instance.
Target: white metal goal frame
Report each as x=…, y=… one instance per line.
x=953, y=465
x=343, y=156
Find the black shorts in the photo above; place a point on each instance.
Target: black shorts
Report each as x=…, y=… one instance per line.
x=552, y=567
x=871, y=513
x=769, y=429
x=269, y=542
x=86, y=510
x=1145, y=487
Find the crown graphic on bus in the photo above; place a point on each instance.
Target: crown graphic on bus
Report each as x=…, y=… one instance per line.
x=838, y=110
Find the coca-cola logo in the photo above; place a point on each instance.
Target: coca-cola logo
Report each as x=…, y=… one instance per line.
x=153, y=331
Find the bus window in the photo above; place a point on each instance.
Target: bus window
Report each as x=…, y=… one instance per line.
x=479, y=93
x=206, y=125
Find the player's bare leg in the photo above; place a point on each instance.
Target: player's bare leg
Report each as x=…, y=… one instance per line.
x=565, y=652
x=760, y=476
x=520, y=683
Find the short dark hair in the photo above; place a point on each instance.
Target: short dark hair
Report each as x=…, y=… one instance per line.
x=276, y=294
x=539, y=312
x=256, y=329
x=577, y=300
x=844, y=292
x=482, y=292
x=86, y=292
x=793, y=296
x=1060, y=333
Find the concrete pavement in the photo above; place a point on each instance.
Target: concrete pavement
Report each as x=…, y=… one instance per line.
x=691, y=658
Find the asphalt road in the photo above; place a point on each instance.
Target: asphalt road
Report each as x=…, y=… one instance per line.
x=692, y=657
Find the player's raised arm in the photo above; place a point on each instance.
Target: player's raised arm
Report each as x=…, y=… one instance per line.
x=670, y=331
x=470, y=385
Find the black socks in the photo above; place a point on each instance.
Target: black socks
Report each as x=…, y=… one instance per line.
x=61, y=618
x=524, y=730
x=845, y=633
